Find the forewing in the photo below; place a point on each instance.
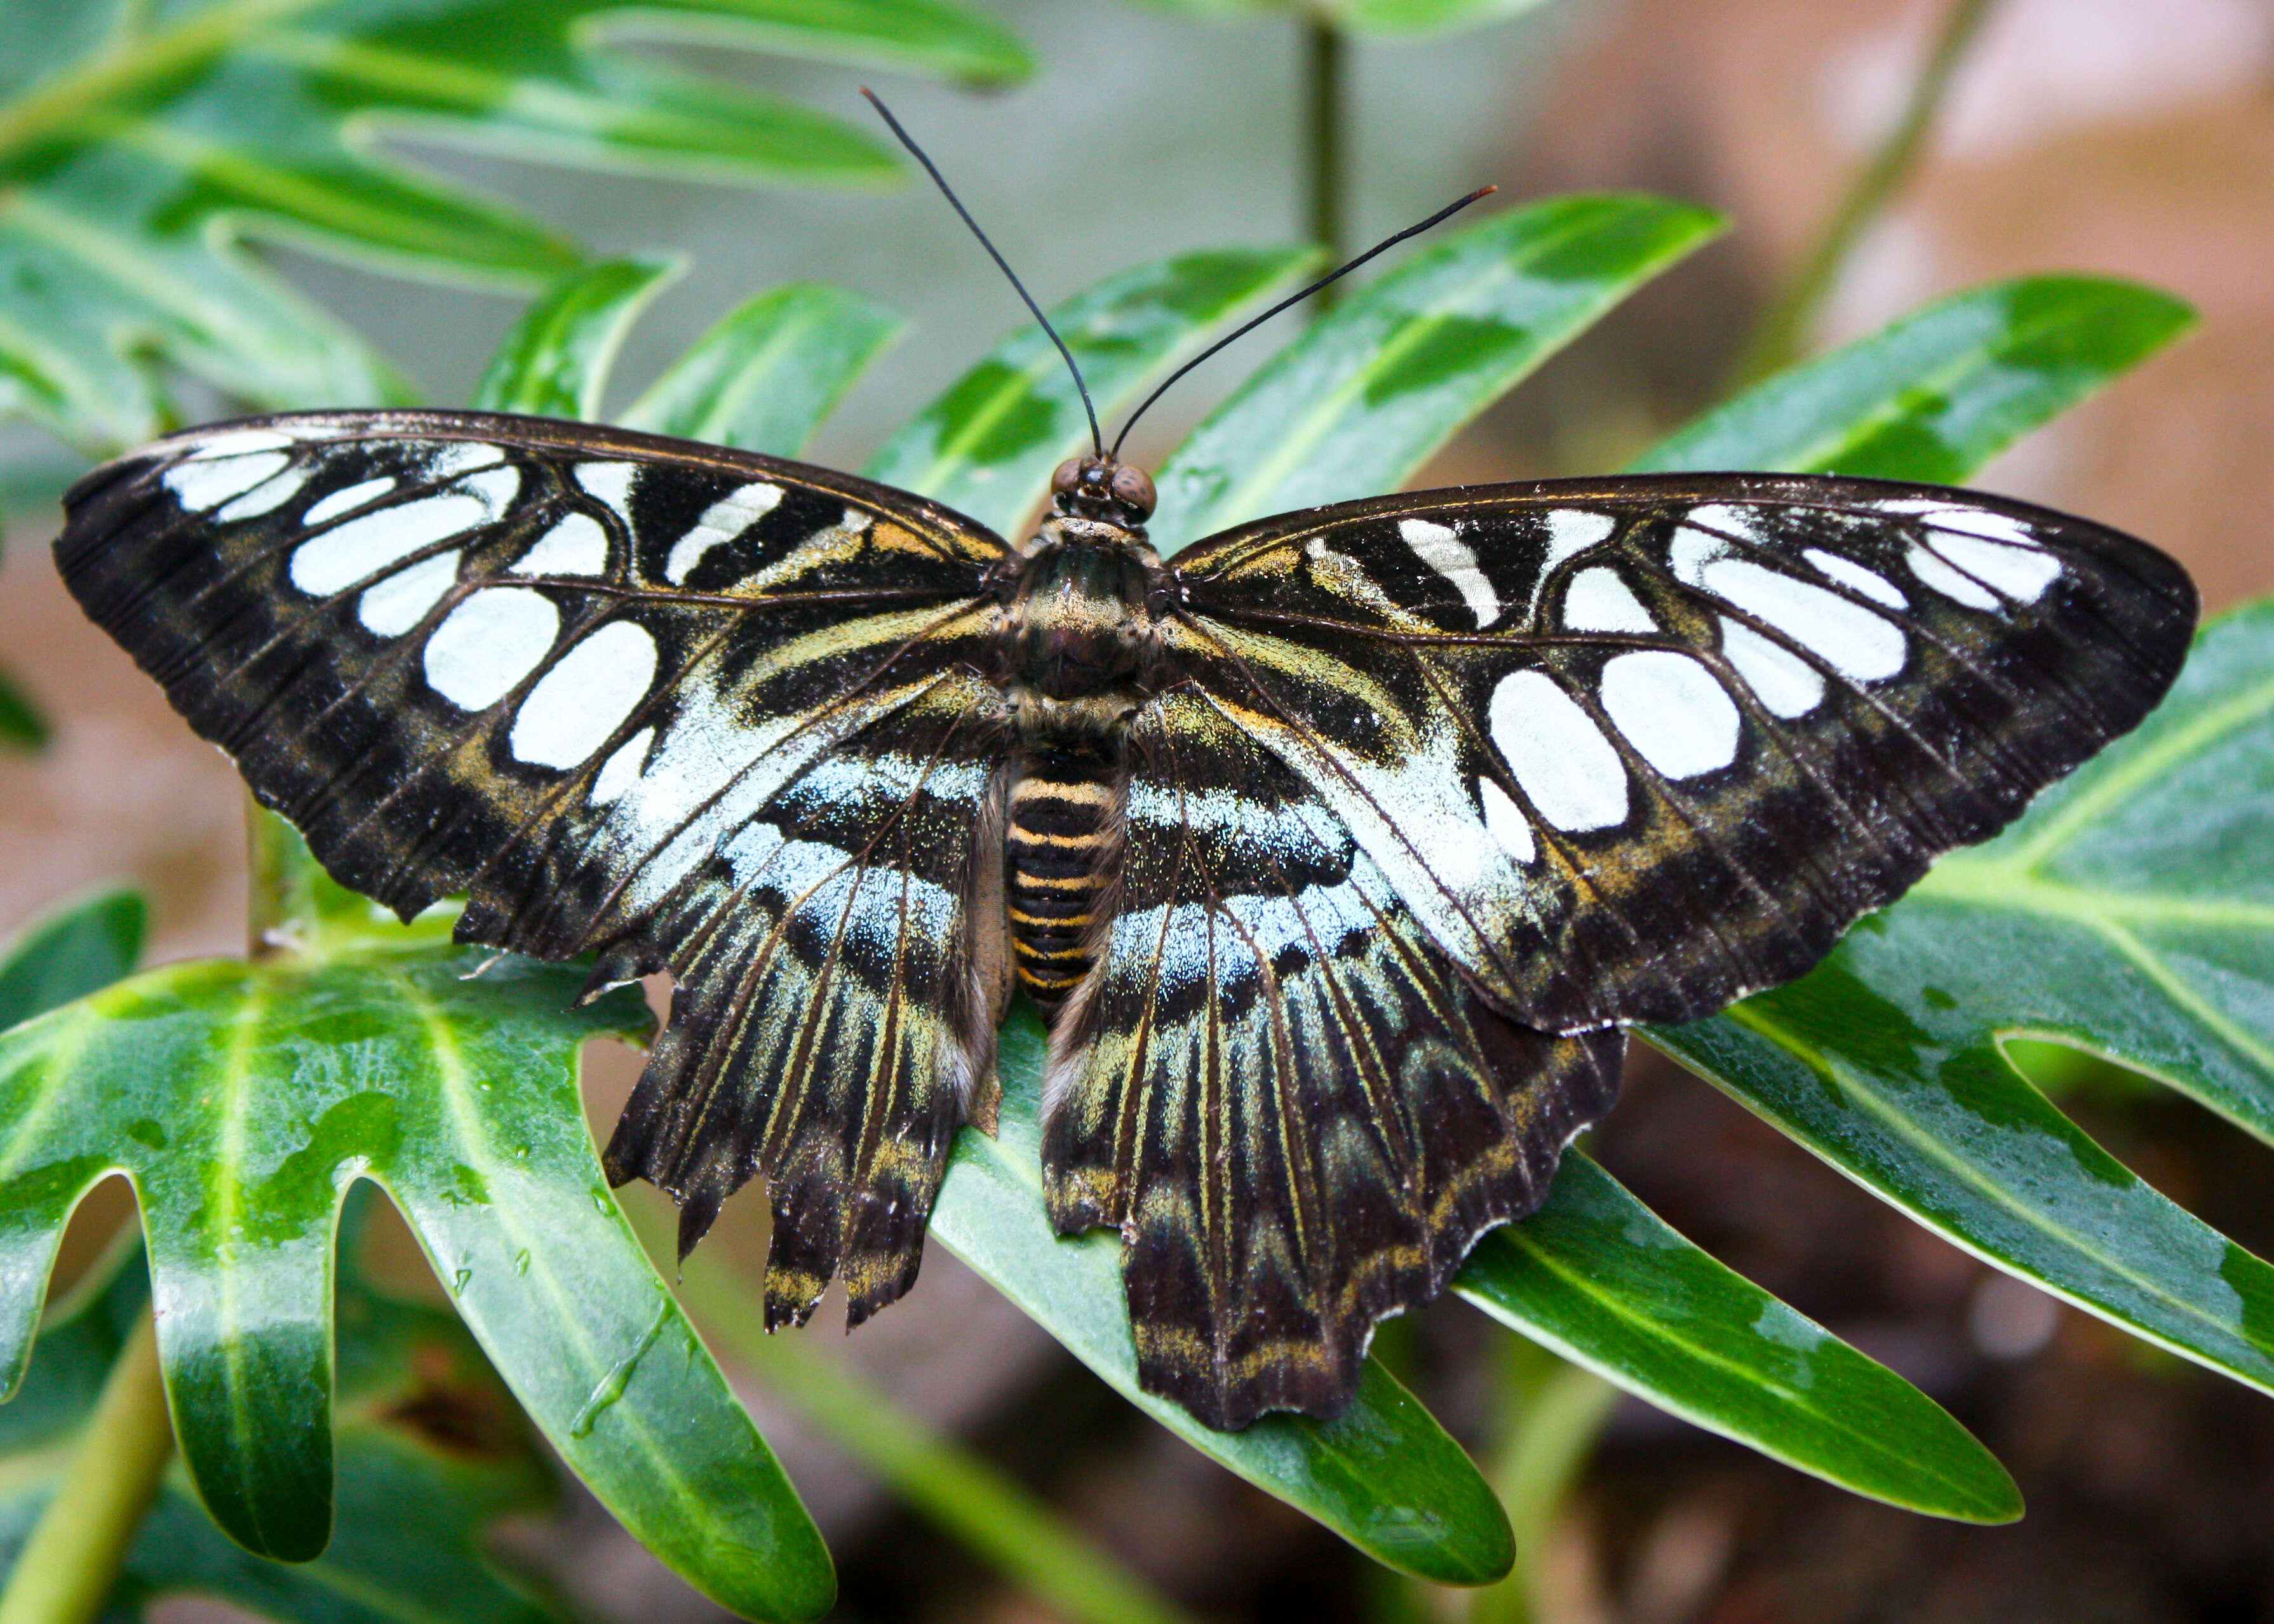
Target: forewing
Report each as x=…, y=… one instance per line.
x=1300, y=1115
x=1632, y=748
x=587, y=676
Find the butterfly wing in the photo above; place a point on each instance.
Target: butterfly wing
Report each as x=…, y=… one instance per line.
x=606, y=683
x=1632, y=748
x=1299, y=1114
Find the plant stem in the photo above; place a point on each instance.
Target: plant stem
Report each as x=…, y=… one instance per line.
x=965, y=1496
x=280, y=906
x=1326, y=141
x=67, y=1568
x=1783, y=328
x=1554, y=1412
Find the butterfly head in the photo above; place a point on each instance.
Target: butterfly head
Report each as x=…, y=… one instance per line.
x=1102, y=487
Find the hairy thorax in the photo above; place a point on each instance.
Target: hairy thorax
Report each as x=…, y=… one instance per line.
x=1078, y=653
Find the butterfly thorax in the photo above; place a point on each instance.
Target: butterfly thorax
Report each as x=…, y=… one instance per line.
x=1079, y=655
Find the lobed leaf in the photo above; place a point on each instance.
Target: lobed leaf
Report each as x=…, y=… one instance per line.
x=2127, y=913
x=1361, y=400
x=432, y=1454
x=767, y=373
x=142, y=144
x=1383, y=1475
x=988, y=444
x=242, y=1100
x=1599, y=1278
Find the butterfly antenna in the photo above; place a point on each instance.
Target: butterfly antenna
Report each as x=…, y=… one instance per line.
x=1242, y=331
x=1096, y=439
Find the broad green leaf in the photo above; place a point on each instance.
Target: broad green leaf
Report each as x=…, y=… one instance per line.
x=141, y=145
x=1360, y=402
x=555, y=361
x=242, y=1099
x=432, y=1454
x=1383, y=1475
x=72, y=952
x=2128, y=912
x=767, y=374
x=1599, y=1278
x=988, y=445
x=22, y=727
x=1940, y=393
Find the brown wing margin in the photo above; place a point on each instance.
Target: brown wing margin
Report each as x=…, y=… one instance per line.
x=1298, y=1113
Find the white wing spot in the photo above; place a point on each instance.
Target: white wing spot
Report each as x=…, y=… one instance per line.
x=1437, y=546
x=489, y=643
x=1506, y=823
x=364, y=547
x=1672, y=710
x=1981, y=521
x=462, y=456
x=344, y=501
x=200, y=484
x=611, y=482
x=1855, y=578
x=1786, y=684
x=721, y=522
x=2020, y=571
x=575, y=546
x=622, y=769
x=1936, y=573
x=1599, y=600
x=857, y=520
x=585, y=696
x=401, y=601
x=268, y=496
x=1570, y=773
x=1690, y=551
x=1571, y=530
x=1851, y=639
x=1743, y=523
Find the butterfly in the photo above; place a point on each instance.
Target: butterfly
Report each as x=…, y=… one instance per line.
x=1340, y=851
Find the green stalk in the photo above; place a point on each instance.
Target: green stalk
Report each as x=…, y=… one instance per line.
x=1552, y=1415
x=946, y=1483
x=1783, y=329
x=69, y=1565
x=1326, y=141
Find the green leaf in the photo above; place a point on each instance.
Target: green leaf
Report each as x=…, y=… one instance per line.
x=555, y=361
x=1599, y=1278
x=1383, y=1475
x=2127, y=913
x=1942, y=391
x=987, y=446
x=143, y=144
x=1360, y=402
x=243, y=1099
x=75, y=950
x=22, y=727
x=1886, y=1060
x=432, y=1454
x=767, y=374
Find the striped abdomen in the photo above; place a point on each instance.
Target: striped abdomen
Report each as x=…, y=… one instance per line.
x=1063, y=832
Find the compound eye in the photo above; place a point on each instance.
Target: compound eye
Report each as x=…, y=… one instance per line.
x=1068, y=477
x=1134, y=490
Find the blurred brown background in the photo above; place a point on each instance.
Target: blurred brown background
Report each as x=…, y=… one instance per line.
x=2133, y=136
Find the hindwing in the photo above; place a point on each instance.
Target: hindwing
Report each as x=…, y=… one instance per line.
x=1298, y=1113
x=705, y=710
x=1632, y=748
